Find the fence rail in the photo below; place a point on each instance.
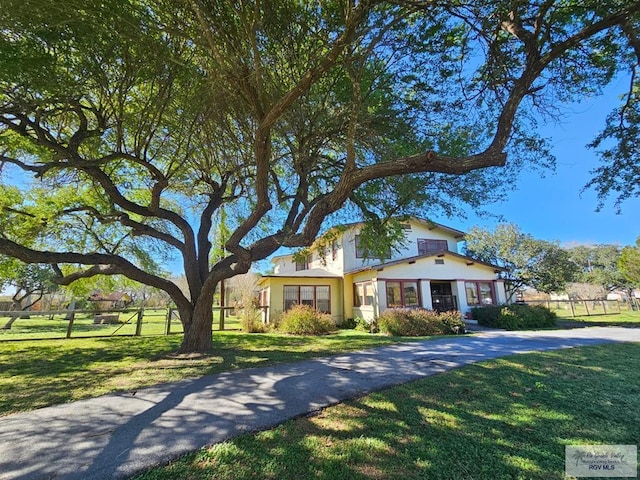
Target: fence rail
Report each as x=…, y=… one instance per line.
x=579, y=308
x=57, y=324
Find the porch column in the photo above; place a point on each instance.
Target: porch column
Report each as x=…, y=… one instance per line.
x=381, y=294
x=425, y=294
x=461, y=293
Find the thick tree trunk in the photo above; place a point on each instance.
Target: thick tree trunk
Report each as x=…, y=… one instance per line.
x=13, y=318
x=15, y=305
x=198, y=334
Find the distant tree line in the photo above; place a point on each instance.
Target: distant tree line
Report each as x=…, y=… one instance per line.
x=582, y=271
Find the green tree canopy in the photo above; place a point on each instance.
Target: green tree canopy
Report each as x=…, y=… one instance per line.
x=29, y=282
x=126, y=126
x=599, y=265
x=528, y=262
x=629, y=264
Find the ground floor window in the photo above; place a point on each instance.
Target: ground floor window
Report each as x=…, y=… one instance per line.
x=402, y=294
x=479, y=293
x=264, y=297
x=316, y=296
x=363, y=295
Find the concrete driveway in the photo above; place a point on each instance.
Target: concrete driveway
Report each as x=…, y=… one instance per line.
x=118, y=435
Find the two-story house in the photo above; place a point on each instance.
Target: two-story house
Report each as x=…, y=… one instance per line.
x=426, y=272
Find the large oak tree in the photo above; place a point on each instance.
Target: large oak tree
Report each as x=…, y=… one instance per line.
x=127, y=126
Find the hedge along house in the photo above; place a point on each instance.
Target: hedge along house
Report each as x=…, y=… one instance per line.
x=426, y=272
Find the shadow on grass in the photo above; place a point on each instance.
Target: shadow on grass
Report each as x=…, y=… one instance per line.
x=565, y=323
x=35, y=374
x=503, y=419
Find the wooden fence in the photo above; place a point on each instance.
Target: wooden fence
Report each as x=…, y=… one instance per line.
x=578, y=308
x=55, y=324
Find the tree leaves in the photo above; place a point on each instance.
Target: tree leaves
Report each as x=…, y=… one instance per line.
x=629, y=263
x=527, y=262
x=140, y=120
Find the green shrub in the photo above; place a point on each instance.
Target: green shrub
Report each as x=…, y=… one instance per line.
x=347, y=324
x=252, y=321
x=420, y=322
x=305, y=320
x=514, y=317
x=369, y=326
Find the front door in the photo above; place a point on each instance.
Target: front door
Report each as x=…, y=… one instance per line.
x=442, y=297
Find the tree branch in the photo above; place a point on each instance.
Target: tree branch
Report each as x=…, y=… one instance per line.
x=111, y=264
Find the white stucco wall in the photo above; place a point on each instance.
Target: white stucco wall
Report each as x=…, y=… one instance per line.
x=409, y=249
x=285, y=264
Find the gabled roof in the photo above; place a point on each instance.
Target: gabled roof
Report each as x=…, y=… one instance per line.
x=431, y=225
x=311, y=273
x=470, y=261
x=457, y=234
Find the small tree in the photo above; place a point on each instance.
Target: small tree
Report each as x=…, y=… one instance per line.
x=31, y=283
x=527, y=262
x=629, y=265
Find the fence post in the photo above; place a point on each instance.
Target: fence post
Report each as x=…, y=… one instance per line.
x=139, y=322
x=604, y=306
x=573, y=311
x=222, y=304
x=167, y=324
x=70, y=325
x=586, y=308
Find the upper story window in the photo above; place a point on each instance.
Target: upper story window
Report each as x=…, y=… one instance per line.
x=303, y=264
x=360, y=250
x=426, y=246
x=334, y=250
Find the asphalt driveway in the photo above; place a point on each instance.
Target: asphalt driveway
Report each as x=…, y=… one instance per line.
x=118, y=435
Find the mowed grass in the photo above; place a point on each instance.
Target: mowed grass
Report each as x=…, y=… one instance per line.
x=36, y=374
x=503, y=419
x=56, y=326
x=625, y=318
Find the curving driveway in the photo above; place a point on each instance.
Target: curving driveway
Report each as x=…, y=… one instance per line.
x=117, y=435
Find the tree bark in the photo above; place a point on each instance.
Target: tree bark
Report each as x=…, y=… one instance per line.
x=15, y=305
x=198, y=328
x=12, y=319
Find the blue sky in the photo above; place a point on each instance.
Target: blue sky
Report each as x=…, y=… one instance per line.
x=552, y=207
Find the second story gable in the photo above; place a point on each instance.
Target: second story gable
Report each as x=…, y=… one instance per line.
x=343, y=253
x=421, y=238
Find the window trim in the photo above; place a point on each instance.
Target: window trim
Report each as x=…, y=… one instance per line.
x=356, y=297
x=476, y=284
x=402, y=294
x=424, y=243
x=360, y=253
x=303, y=264
x=299, y=299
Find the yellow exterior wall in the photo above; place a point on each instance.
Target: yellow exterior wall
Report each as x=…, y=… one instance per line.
x=348, y=296
x=276, y=293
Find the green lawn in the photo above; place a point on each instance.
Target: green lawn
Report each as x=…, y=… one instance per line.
x=504, y=419
x=625, y=318
x=40, y=326
x=36, y=374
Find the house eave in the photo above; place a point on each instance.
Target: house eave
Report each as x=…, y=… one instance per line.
x=412, y=260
